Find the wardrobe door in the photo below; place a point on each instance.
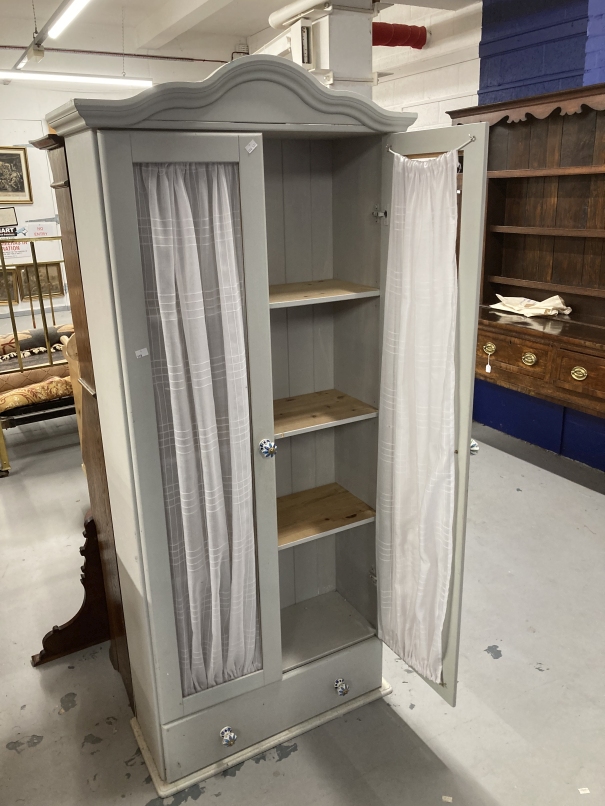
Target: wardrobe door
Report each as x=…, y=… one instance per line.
x=186, y=233
x=423, y=487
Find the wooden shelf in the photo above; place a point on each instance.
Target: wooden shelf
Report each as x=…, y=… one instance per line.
x=572, y=170
x=561, y=232
x=318, y=512
x=326, y=409
x=317, y=291
x=554, y=287
x=318, y=627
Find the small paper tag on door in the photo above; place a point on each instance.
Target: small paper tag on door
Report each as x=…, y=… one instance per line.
x=141, y=353
x=251, y=146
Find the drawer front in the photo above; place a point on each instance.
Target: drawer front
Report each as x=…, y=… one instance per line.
x=518, y=355
x=581, y=373
x=193, y=742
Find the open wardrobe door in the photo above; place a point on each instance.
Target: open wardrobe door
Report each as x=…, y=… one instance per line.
x=430, y=325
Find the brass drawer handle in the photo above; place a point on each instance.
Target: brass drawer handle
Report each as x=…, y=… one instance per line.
x=529, y=359
x=489, y=348
x=579, y=374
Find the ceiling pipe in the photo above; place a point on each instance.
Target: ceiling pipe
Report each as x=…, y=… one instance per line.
x=146, y=56
x=394, y=35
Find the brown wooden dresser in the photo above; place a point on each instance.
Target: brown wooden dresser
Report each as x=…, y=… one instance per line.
x=545, y=235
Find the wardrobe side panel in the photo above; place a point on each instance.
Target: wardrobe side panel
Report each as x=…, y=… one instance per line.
x=89, y=217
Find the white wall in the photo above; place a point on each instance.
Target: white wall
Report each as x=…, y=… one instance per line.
x=24, y=106
x=443, y=75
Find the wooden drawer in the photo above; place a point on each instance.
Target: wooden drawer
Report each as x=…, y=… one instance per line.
x=513, y=354
x=588, y=373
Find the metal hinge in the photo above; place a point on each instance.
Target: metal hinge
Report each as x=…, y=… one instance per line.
x=373, y=577
x=378, y=213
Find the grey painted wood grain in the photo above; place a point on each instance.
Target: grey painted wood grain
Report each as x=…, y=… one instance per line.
x=356, y=191
x=287, y=594
x=279, y=354
x=357, y=349
x=355, y=452
x=321, y=209
x=283, y=468
x=296, y=157
x=355, y=558
x=323, y=346
x=274, y=208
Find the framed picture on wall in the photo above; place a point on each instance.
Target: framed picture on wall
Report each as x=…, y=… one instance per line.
x=15, y=184
x=11, y=286
x=51, y=280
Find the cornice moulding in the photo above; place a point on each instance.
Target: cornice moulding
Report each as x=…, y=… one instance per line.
x=311, y=103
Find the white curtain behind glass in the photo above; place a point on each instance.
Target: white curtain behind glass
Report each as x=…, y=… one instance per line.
x=190, y=234
x=416, y=465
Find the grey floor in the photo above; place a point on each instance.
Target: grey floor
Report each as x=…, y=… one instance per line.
x=529, y=726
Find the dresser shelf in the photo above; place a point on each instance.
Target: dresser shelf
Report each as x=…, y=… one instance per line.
x=318, y=512
x=559, y=232
x=571, y=170
x=291, y=295
x=556, y=288
x=317, y=410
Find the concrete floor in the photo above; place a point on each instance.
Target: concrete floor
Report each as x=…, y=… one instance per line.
x=528, y=729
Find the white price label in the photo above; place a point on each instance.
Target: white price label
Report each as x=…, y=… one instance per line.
x=141, y=353
x=251, y=146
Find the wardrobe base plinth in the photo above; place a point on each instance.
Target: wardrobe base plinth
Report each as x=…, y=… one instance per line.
x=165, y=790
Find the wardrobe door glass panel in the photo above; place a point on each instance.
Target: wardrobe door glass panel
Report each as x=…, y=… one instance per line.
x=191, y=245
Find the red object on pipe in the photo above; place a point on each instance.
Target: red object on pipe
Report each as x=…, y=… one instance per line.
x=393, y=35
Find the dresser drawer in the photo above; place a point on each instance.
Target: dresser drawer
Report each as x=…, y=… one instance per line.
x=518, y=355
x=584, y=374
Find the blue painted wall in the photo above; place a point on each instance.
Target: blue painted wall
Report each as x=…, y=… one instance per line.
x=529, y=47
x=594, y=67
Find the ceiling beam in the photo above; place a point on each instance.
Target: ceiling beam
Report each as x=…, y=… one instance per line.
x=173, y=18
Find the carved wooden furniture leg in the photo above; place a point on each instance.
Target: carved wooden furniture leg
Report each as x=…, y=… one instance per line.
x=90, y=625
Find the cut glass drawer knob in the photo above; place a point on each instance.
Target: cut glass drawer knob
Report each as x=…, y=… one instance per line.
x=341, y=687
x=529, y=359
x=228, y=737
x=267, y=448
x=489, y=348
x=579, y=374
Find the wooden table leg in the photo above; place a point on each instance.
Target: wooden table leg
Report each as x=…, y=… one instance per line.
x=4, y=462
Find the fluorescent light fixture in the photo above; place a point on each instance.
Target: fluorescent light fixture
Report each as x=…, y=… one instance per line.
x=34, y=53
x=72, y=78
x=70, y=13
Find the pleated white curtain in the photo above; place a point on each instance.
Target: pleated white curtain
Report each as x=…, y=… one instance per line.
x=416, y=459
x=190, y=235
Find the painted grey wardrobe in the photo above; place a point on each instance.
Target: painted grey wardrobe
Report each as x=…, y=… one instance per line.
x=314, y=176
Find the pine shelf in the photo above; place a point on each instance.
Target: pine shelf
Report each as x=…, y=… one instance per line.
x=318, y=512
x=317, y=410
x=290, y=295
